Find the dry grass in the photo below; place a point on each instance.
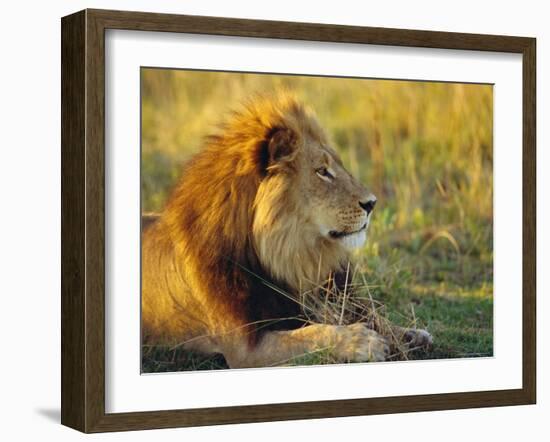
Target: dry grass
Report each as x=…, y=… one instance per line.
x=352, y=303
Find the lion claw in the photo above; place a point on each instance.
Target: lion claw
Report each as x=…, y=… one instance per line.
x=417, y=338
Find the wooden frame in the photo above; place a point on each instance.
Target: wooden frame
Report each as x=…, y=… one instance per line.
x=83, y=215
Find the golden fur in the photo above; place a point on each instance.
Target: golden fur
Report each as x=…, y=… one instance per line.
x=266, y=209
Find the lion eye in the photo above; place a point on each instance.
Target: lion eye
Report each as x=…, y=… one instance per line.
x=324, y=174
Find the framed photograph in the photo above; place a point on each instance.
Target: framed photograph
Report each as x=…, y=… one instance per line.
x=269, y=220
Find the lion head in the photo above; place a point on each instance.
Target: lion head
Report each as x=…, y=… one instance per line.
x=309, y=211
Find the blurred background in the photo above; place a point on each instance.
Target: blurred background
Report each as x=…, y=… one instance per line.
x=424, y=148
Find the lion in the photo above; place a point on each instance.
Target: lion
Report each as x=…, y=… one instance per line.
x=264, y=211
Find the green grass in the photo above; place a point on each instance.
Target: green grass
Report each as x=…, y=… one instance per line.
x=425, y=150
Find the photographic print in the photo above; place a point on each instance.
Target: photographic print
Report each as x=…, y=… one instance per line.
x=292, y=220
x=248, y=204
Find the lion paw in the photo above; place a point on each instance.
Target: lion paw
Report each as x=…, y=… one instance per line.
x=417, y=338
x=358, y=343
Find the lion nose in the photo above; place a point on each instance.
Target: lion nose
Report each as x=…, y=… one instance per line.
x=368, y=206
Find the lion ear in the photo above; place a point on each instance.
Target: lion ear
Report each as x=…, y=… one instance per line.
x=282, y=146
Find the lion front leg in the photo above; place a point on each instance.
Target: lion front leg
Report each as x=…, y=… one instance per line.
x=349, y=343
